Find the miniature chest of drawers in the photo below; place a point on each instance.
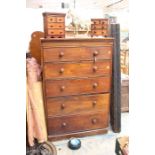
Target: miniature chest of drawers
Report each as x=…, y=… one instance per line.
x=76, y=86
x=100, y=27
x=54, y=25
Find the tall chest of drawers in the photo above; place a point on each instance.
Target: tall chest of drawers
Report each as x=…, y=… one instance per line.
x=77, y=77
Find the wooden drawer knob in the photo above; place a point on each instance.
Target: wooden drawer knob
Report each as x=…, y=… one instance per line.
x=61, y=70
x=62, y=106
x=62, y=88
x=94, y=121
x=51, y=25
x=61, y=54
x=94, y=103
x=95, y=53
x=60, y=26
x=95, y=85
x=107, y=67
x=95, y=68
x=64, y=124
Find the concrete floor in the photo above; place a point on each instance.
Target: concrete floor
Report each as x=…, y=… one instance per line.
x=96, y=145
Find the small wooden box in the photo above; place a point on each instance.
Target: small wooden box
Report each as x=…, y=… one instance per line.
x=99, y=27
x=125, y=95
x=54, y=25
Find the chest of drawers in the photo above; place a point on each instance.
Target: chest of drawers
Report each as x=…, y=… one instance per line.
x=54, y=25
x=100, y=27
x=76, y=86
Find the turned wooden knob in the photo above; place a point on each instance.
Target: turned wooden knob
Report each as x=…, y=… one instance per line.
x=61, y=54
x=51, y=25
x=95, y=85
x=61, y=70
x=94, y=121
x=94, y=103
x=95, y=68
x=63, y=106
x=64, y=124
x=62, y=88
x=95, y=53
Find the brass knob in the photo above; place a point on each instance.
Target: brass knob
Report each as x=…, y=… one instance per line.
x=61, y=54
x=95, y=53
x=95, y=68
x=62, y=88
x=95, y=85
x=94, y=121
x=107, y=67
x=61, y=70
x=94, y=103
x=64, y=124
x=63, y=106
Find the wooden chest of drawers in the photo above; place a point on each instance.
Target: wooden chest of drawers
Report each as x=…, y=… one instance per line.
x=54, y=25
x=100, y=27
x=76, y=86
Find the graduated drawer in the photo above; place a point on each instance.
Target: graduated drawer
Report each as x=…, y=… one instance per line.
x=55, y=19
x=74, y=123
x=76, y=53
x=100, y=32
x=99, y=21
x=69, y=87
x=56, y=32
x=64, y=70
x=56, y=25
x=77, y=104
x=99, y=26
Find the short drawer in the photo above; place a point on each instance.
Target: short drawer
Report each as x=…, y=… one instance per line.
x=99, y=21
x=85, y=69
x=56, y=25
x=67, y=87
x=100, y=32
x=74, y=123
x=56, y=32
x=77, y=104
x=93, y=27
x=77, y=53
x=51, y=18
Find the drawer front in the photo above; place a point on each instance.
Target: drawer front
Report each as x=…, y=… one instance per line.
x=85, y=69
x=100, y=21
x=56, y=25
x=56, y=32
x=73, y=123
x=100, y=32
x=77, y=104
x=51, y=18
x=61, y=19
x=99, y=27
x=77, y=53
x=67, y=87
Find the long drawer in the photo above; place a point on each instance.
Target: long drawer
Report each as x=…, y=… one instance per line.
x=85, y=69
x=77, y=53
x=77, y=104
x=66, y=87
x=74, y=123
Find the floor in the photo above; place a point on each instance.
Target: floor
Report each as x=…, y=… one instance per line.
x=96, y=145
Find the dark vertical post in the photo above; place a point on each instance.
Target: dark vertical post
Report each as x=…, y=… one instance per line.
x=115, y=108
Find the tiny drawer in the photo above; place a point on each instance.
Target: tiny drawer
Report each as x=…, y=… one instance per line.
x=60, y=19
x=77, y=53
x=74, y=123
x=67, y=87
x=95, y=27
x=69, y=70
x=51, y=19
x=77, y=104
x=56, y=32
x=56, y=25
x=100, y=32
